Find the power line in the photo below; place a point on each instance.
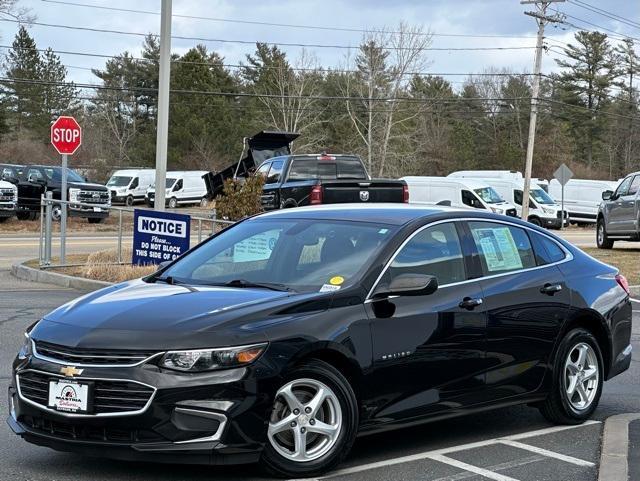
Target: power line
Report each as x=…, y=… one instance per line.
x=284, y=25
x=604, y=13
x=617, y=35
x=254, y=42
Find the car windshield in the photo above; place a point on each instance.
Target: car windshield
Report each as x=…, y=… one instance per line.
x=55, y=174
x=293, y=254
x=489, y=195
x=118, y=181
x=541, y=197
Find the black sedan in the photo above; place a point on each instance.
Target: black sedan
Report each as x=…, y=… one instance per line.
x=287, y=335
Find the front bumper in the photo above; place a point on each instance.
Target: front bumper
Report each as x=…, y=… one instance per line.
x=7, y=210
x=97, y=212
x=209, y=418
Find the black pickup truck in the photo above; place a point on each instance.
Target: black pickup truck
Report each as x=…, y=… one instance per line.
x=298, y=180
x=34, y=180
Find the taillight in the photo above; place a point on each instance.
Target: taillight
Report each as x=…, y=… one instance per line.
x=316, y=195
x=405, y=193
x=623, y=282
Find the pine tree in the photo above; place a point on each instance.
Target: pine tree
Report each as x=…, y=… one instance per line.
x=59, y=97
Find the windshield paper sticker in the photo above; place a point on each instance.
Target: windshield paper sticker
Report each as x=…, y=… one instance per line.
x=257, y=247
x=499, y=248
x=329, y=288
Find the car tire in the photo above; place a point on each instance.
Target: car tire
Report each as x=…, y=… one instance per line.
x=535, y=221
x=338, y=410
x=173, y=203
x=602, y=240
x=577, y=379
x=95, y=220
x=56, y=213
x=203, y=202
x=3, y=219
x=129, y=201
x=23, y=215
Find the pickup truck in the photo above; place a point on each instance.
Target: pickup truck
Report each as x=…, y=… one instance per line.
x=298, y=180
x=34, y=180
x=619, y=213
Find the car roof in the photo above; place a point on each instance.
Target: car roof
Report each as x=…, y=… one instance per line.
x=472, y=183
x=132, y=171
x=393, y=214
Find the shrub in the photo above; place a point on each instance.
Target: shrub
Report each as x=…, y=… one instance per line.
x=240, y=199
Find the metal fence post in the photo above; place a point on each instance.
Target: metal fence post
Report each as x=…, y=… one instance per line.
x=41, y=245
x=47, y=231
x=120, y=236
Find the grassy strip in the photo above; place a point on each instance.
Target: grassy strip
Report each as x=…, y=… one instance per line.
x=626, y=260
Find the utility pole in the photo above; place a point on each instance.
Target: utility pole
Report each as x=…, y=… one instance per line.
x=163, y=104
x=542, y=19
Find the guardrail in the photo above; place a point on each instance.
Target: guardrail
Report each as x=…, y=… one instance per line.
x=204, y=224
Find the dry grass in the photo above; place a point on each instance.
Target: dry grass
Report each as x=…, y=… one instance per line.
x=626, y=260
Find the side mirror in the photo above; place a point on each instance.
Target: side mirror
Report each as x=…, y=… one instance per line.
x=607, y=195
x=410, y=285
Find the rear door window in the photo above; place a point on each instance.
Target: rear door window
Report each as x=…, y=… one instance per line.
x=502, y=248
x=546, y=250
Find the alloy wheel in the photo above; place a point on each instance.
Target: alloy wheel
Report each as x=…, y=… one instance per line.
x=600, y=233
x=581, y=376
x=306, y=420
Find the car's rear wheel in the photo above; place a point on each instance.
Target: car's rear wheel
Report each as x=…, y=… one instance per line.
x=173, y=203
x=602, y=239
x=129, y=201
x=578, y=378
x=313, y=422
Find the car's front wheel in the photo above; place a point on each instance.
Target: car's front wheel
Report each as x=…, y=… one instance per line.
x=578, y=378
x=313, y=422
x=602, y=239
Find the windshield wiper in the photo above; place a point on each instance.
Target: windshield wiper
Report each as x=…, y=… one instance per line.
x=261, y=285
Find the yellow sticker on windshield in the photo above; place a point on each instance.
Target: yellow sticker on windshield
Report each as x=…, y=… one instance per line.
x=336, y=281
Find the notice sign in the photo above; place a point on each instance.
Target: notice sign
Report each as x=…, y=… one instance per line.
x=159, y=236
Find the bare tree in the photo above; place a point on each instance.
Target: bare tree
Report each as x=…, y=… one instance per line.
x=10, y=9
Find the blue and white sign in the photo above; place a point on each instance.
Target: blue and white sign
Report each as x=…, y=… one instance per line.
x=159, y=236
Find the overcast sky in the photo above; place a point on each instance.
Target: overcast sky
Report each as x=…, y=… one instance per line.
x=477, y=17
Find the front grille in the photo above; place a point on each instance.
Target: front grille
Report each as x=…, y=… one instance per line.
x=512, y=213
x=559, y=214
x=7, y=195
x=84, y=432
x=109, y=396
x=94, y=196
x=98, y=357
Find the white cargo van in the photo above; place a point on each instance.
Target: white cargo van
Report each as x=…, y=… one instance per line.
x=543, y=210
x=182, y=188
x=581, y=197
x=457, y=193
x=130, y=185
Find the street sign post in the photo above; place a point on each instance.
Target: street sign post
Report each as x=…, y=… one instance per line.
x=66, y=138
x=563, y=175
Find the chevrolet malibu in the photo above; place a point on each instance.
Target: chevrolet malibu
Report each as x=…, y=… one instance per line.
x=284, y=337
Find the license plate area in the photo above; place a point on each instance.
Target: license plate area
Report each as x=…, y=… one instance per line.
x=71, y=396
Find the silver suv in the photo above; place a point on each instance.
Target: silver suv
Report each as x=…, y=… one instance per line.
x=619, y=213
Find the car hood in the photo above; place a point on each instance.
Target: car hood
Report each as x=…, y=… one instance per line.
x=139, y=315
x=87, y=186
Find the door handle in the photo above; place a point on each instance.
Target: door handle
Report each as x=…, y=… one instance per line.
x=550, y=289
x=470, y=303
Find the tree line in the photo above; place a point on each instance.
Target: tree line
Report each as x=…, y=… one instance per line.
x=380, y=103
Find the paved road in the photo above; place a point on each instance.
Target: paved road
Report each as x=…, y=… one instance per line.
x=507, y=444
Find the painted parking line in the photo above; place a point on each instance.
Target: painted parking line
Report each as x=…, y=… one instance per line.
x=470, y=468
x=496, y=467
x=547, y=453
x=439, y=453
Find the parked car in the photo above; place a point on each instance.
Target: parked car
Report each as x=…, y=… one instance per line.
x=457, y=193
x=582, y=197
x=286, y=335
x=543, y=210
x=34, y=180
x=299, y=180
x=130, y=185
x=8, y=200
x=182, y=188
x=619, y=213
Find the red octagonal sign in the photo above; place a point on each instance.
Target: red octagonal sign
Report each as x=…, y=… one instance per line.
x=66, y=135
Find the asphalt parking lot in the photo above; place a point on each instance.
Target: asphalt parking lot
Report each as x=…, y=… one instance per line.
x=505, y=445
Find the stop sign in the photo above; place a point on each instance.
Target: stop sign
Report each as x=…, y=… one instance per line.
x=66, y=135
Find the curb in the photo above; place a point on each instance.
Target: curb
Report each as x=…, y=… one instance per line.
x=26, y=273
x=635, y=291
x=615, y=448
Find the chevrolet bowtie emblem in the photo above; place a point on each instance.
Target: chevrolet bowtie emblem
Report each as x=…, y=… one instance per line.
x=70, y=371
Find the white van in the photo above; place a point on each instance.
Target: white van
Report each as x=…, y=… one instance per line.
x=543, y=210
x=130, y=185
x=581, y=197
x=185, y=187
x=457, y=193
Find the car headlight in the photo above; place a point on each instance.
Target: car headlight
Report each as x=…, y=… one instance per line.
x=199, y=360
x=26, y=348
x=548, y=211
x=496, y=210
x=73, y=195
